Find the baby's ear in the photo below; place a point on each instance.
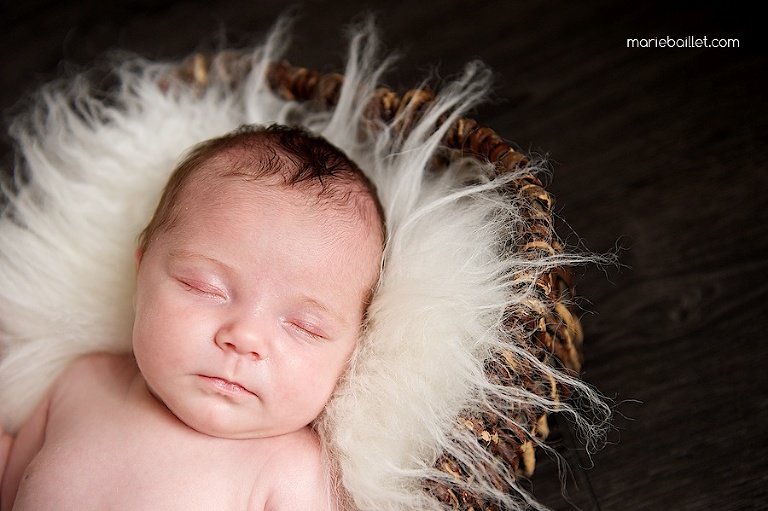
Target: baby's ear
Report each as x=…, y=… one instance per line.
x=137, y=255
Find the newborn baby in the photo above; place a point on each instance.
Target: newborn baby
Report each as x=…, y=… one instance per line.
x=253, y=279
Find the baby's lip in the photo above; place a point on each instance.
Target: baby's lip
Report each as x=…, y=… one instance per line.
x=227, y=386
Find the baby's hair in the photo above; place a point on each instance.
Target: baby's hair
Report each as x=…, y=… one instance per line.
x=263, y=153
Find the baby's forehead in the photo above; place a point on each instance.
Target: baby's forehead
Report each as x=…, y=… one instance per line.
x=343, y=201
x=352, y=225
x=258, y=163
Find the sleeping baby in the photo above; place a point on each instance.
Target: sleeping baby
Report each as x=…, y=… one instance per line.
x=253, y=280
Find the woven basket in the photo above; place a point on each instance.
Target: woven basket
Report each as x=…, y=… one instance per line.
x=554, y=332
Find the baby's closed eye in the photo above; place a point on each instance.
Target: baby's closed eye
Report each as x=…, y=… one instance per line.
x=202, y=288
x=306, y=328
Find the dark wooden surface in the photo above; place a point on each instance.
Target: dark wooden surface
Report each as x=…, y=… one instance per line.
x=660, y=152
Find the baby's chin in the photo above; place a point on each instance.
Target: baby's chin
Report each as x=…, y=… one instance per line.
x=219, y=422
x=221, y=426
x=217, y=430
x=224, y=434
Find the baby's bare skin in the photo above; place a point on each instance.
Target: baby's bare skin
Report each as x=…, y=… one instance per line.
x=110, y=444
x=250, y=297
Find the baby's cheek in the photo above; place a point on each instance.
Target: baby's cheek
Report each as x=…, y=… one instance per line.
x=316, y=393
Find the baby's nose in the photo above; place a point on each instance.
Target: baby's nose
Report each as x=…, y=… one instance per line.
x=244, y=336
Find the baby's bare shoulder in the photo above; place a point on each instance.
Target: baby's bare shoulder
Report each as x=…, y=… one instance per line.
x=98, y=363
x=300, y=474
x=98, y=367
x=301, y=448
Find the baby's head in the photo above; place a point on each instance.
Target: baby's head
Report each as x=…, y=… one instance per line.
x=273, y=155
x=253, y=279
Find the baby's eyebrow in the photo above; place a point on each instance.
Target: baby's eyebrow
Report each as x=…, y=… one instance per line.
x=178, y=253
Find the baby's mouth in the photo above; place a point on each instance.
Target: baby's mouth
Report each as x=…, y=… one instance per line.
x=226, y=386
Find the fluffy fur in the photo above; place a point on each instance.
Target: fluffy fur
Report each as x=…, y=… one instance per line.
x=90, y=173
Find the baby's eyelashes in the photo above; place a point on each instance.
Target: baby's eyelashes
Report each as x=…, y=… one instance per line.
x=307, y=329
x=202, y=288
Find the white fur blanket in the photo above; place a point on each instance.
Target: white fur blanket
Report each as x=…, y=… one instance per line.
x=90, y=172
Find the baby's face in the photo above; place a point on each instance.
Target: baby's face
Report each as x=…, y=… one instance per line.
x=249, y=307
